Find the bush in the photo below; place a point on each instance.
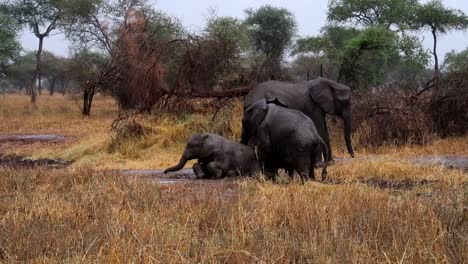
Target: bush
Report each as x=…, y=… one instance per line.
x=400, y=114
x=385, y=117
x=448, y=108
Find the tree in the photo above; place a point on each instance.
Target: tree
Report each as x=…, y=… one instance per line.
x=456, y=62
x=55, y=71
x=21, y=71
x=439, y=20
x=9, y=45
x=329, y=45
x=368, y=13
x=272, y=30
x=307, y=67
x=42, y=17
x=88, y=69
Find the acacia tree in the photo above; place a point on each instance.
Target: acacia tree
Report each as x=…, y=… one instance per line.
x=439, y=20
x=272, y=30
x=368, y=13
x=43, y=17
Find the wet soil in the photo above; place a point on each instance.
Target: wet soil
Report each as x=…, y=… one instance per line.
x=32, y=138
x=449, y=162
x=12, y=161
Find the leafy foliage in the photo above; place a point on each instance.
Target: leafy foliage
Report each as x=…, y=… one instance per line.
x=369, y=13
x=271, y=30
x=9, y=45
x=456, y=62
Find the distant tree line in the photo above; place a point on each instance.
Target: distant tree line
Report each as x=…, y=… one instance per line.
x=143, y=57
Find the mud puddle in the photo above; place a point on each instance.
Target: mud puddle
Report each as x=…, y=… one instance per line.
x=449, y=162
x=182, y=176
x=23, y=162
x=32, y=138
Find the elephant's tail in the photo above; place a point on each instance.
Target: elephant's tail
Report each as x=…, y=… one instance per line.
x=324, y=170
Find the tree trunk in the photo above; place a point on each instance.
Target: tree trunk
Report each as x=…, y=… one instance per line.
x=37, y=74
x=88, y=96
x=52, y=87
x=434, y=52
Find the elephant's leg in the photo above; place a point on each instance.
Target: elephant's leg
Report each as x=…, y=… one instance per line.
x=320, y=124
x=302, y=165
x=327, y=141
x=313, y=160
x=199, y=171
x=215, y=169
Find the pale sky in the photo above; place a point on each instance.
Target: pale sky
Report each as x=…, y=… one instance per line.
x=310, y=16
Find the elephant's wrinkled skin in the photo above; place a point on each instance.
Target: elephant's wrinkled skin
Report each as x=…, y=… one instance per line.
x=217, y=157
x=315, y=98
x=285, y=138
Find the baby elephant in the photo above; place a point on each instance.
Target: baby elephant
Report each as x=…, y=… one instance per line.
x=217, y=157
x=285, y=138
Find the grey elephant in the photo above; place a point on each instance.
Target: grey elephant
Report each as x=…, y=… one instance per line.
x=285, y=138
x=315, y=98
x=217, y=157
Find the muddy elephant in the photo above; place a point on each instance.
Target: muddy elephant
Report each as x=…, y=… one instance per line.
x=284, y=138
x=217, y=157
x=315, y=98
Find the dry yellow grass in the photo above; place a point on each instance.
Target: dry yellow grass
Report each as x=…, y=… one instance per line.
x=378, y=209
x=79, y=215
x=162, y=146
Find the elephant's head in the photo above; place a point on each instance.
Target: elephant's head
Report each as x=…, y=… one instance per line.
x=253, y=117
x=193, y=150
x=334, y=99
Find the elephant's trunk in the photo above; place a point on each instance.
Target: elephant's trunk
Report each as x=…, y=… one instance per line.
x=347, y=134
x=177, y=167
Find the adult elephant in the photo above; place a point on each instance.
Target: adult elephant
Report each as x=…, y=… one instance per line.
x=315, y=98
x=284, y=138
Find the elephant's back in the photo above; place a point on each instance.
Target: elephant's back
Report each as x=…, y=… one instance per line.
x=292, y=94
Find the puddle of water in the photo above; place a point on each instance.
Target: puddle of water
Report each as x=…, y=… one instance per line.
x=31, y=137
x=182, y=176
x=450, y=162
x=22, y=162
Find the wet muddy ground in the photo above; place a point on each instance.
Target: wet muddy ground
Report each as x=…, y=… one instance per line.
x=32, y=138
x=187, y=176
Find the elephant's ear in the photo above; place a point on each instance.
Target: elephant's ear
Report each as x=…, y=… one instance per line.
x=277, y=101
x=325, y=92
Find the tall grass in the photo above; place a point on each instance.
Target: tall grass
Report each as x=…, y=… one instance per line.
x=84, y=216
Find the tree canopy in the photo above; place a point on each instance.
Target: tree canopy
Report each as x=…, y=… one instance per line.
x=271, y=30
x=9, y=45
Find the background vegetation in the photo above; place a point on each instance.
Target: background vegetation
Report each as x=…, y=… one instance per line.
x=138, y=84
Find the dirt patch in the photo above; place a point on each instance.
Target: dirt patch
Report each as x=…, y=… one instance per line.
x=22, y=162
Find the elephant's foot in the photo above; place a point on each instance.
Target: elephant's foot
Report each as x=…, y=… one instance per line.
x=198, y=170
x=215, y=170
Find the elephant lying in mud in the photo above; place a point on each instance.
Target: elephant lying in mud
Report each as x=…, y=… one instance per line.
x=314, y=98
x=285, y=138
x=217, y=157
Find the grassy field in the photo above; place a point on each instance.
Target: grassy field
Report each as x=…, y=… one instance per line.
x=378, y=208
